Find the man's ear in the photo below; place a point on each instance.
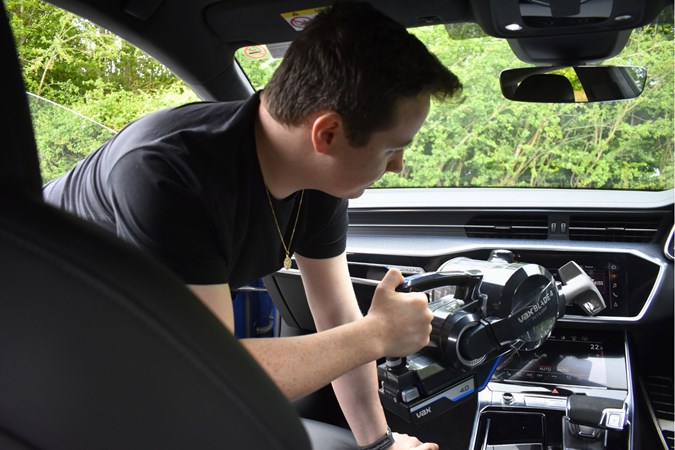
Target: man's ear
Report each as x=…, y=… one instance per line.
x=327, y=130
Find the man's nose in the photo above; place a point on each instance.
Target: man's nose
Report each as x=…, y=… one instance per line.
x=395, y=163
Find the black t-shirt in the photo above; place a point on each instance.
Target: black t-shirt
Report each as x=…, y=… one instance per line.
x=184, y=185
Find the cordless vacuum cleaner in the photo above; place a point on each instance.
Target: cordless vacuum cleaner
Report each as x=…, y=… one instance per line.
x=489, y=310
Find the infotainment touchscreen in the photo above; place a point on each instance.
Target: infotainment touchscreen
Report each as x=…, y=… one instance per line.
x=608, y=274
x=589, y=359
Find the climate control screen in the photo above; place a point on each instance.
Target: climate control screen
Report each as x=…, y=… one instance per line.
x=588, y=359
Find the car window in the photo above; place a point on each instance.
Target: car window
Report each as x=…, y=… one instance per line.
x=63, y=136
x=84, y=83
x=488, y=141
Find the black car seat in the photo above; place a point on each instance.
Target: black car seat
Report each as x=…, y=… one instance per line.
x=100, y=347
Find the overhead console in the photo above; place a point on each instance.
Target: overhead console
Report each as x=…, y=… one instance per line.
x=594, y=30
x=536, y=18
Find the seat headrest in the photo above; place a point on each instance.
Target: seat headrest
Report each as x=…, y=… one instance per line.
x=545, y=88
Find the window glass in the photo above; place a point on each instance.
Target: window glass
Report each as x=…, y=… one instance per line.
x=84, y=83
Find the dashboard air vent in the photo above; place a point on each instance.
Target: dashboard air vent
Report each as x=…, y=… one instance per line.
x=508, y=227
x=627, y=228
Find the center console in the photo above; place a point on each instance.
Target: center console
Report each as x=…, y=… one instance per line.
x=571, y=393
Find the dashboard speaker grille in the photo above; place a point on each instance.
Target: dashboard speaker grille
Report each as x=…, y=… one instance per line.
x=614, y=229
x=508, y=227
x=659, y=392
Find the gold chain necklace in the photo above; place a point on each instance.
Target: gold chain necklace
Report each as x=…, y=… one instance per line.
x=287, y=259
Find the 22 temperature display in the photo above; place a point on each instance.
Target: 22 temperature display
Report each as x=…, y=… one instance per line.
x=590, y=360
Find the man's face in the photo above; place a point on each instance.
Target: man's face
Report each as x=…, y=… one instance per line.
x=360, y=167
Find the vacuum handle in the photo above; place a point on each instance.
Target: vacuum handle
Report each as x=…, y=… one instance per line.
x=431, y=280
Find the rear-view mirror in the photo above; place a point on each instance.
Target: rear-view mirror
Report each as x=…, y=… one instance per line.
x=573, y=84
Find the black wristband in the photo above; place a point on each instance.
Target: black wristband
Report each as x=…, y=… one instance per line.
x=383, y=443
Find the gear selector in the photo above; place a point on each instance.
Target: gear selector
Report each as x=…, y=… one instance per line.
x=587, y=420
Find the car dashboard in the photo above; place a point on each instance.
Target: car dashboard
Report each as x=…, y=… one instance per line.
x=622, y=240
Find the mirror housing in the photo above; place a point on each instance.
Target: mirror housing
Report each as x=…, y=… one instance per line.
x=573, y=84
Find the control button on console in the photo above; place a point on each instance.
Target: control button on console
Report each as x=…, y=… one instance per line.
x=507, y=398
x=559, y=403
x=535, y=402
x=614, y=418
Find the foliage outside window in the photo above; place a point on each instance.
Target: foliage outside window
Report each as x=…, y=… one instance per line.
x=83, y=68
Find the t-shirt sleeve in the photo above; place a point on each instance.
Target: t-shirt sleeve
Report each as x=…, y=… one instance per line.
x=327, y=223
x=157, y=207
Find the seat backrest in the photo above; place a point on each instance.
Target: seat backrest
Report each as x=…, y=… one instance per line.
x=101, y=347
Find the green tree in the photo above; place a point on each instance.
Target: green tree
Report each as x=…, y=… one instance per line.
x=488, y=141
x=89, y=70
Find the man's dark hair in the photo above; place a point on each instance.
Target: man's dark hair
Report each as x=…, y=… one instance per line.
x=354, y=60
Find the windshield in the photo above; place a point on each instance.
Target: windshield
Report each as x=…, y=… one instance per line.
x=488, y=141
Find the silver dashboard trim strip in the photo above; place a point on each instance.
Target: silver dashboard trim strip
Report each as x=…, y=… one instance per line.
x=481, y=198
x=629, y=397
x=669, y=243
x=519, y=227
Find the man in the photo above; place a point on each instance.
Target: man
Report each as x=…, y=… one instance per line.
x=225, y=193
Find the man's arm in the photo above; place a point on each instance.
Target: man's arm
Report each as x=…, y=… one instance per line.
x=397, y=324
x=218, y=299
x=333, y=302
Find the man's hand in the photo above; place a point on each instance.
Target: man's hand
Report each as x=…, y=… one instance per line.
x=401, y=321
x=405, y=442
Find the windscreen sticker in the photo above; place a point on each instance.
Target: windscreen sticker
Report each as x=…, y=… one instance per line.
x=255, y=51
x=269, y=51
x=299, y=19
